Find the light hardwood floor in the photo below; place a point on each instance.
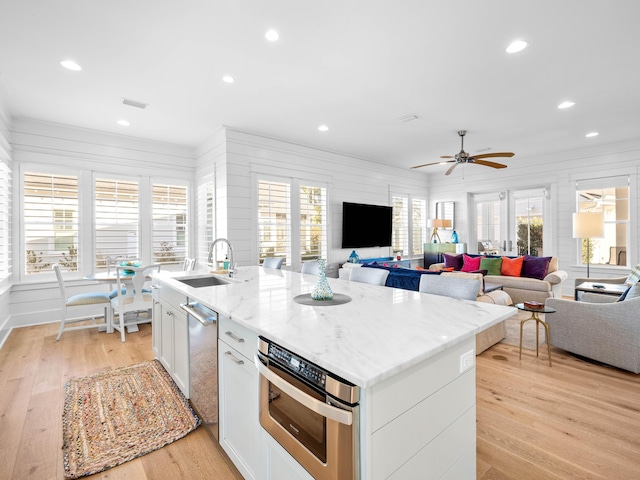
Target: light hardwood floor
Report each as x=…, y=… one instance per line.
x=573, y=420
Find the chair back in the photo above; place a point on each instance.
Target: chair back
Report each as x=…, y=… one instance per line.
x=56, y=269
x=189, y=264
x=311, y=267
x=372, y=276
x=134, y=297
x=273, y=262
x=454, y=287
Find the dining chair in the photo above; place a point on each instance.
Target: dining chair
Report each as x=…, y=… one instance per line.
x=189, y=264
x=80, y=300
x=372, y=276
x=273, y=262
x=132, y=299
x=311, y=267
x=112, y=263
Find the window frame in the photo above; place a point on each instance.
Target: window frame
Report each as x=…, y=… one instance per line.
x=409, y=249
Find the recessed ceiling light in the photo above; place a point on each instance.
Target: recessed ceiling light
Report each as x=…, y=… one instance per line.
x=516, y=46
x=228, y=79
x=592, y=134
x=71, y=65
x=566, y=104
x=272, y=35
x=323, y=128
x=124, y=123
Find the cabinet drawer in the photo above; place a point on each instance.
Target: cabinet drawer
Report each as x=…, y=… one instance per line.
x=170, y=296
x=238, y=336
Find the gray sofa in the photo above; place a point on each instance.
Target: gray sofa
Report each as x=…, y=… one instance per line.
x=606, y=332
x=523, y=289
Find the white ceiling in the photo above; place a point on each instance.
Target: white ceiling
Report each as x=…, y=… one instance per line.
x=356, y=66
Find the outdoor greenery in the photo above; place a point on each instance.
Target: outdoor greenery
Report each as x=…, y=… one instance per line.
x=529, y=239
x=70, y=259
x=35, y=263
x=165, y=254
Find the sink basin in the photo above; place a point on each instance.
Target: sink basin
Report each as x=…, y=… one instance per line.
x=206, y=281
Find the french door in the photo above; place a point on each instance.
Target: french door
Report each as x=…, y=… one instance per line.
x=510, y=222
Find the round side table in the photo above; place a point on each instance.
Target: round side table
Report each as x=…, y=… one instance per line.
x=534, y=316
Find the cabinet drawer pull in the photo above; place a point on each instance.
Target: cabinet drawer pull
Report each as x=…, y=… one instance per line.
x=234, y=358
x=235, y=337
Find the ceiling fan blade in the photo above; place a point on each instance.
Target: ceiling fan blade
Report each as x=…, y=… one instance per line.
x=434, y=163
x=493, y=155
x=488, y=164
x=451, y=168
x=447, y=156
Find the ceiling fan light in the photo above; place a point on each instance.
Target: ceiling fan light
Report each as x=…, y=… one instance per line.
x=592, y=134
x=71, y=65
x=516, y=46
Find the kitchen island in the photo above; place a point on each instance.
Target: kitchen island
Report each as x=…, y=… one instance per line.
x=411, y=354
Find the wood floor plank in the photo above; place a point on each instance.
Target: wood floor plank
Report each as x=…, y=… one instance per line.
x=576, y=419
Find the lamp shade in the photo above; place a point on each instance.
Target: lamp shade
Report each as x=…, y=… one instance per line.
x=439, y=223
x=588, y=225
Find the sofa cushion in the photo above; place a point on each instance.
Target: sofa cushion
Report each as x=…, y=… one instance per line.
x=511, y=267
x=535, y=267
x=470, y=263
x=454, y=261
x=491, y=265
x=520, y=283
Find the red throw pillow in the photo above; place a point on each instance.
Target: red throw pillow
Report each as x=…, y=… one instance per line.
x=469, y=264
x=511, y=267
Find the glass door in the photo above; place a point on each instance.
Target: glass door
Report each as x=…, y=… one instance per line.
x=490, y=224
x=528, y=222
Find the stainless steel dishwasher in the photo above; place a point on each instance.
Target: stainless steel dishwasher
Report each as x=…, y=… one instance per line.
x=203, y=363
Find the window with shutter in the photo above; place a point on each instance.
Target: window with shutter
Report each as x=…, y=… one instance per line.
x=50, y=209
x=400, y=224
x=116, y=220
x=170, y=226
x=418, y=225
x=5, y=220
x=313, y=222
x=205, y=213
x=274, y=220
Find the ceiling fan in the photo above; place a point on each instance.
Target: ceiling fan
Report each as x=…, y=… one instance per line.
x=464, y=157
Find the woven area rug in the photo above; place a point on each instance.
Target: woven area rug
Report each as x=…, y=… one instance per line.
x=528, y=334
x=112, y=417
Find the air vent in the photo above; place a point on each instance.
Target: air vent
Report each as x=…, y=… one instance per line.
x=408, y=118
x=133, y=103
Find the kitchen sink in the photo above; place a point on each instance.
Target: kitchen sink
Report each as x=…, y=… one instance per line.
x=206, y=281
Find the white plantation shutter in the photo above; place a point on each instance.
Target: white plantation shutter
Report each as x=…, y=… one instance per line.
x=50, y=209
x=313, y=222
x=170, y=225
x=117, y=219
x=5, y=220
x=400, y=225
x=418, y=225
x=205, y=213
x=274, y=220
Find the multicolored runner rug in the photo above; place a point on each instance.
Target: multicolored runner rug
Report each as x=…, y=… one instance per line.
x=112, y=417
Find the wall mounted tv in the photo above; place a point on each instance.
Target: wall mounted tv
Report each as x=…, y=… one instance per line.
x=366, y=225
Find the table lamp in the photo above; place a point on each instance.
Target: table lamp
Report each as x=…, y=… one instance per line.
x=437, y=223
x=588, y=225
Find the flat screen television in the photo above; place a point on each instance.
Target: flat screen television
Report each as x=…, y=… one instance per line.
x=366, y=225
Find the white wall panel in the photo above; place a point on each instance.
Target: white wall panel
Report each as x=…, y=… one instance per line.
x=558, y=172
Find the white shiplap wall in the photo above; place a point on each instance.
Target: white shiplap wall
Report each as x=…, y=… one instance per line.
x=47, y=144
x=349, y=179
x=5, y=156
x=557, y=172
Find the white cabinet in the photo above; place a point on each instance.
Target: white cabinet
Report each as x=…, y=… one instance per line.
x=170, y=335
x=238, y=397
x=276, y=463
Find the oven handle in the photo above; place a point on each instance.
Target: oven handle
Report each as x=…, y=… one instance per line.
x=336, y=414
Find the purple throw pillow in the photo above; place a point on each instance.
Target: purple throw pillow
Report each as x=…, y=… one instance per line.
x=454, y=261
x=535, y=267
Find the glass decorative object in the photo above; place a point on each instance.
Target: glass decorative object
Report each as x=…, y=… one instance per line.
x=354, y=258
x=454, y=237
x=322, y=290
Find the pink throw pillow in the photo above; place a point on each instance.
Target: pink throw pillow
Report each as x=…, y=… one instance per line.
x=470, y=264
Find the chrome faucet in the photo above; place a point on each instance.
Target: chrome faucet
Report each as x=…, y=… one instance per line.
x=210, y=257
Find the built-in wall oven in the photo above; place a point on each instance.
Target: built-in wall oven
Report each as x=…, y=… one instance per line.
x=203, y=363
x=311, y=412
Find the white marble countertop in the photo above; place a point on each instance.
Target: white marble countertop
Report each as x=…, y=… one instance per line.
x=381, y=332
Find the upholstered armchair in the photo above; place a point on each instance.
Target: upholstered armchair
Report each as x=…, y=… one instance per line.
x=596, y=297
x=606, y=332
